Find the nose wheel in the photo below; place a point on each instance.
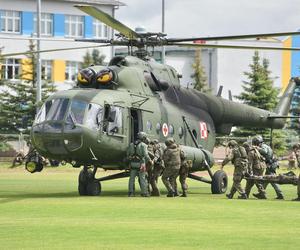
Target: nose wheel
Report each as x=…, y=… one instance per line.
x=87, y=184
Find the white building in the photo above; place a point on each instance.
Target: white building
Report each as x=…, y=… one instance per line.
x=61, y=23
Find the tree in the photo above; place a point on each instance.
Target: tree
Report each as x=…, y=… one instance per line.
x=18, y=98
x=94, y=58
x=258, y=91
x=199, y=76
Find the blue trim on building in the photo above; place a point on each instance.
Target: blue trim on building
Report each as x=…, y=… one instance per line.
x=88, y=27
x=59, y=24
x=295, y=65
x=27, y=23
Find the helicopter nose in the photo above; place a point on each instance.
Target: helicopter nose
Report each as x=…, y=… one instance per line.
x=56, y=139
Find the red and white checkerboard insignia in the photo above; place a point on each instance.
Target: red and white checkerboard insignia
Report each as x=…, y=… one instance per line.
x=203, y=130
x=165, y=129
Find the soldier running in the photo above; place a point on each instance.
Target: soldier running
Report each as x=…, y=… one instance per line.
x=256, y=166
x=272, y=164
x=238, y=157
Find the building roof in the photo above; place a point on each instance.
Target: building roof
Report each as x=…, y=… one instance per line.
x=103, y=2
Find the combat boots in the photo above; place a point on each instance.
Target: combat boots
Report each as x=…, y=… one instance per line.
x=261, y=196
x=243, y=196
x=170, y=194
x=184, y=194
x=279, y=197
x=297, y=199
x=229, y=196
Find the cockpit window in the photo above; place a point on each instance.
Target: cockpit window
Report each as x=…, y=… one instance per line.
x=58, y=109
x=42, y=114
x=94, y=116
x=77, y=111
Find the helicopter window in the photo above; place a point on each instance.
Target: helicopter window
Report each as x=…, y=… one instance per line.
x=112, y=119
x=149, y=125
x=94, y=116
x=180, y=132
x=77, y=111
x=58, y=109
x=158, y=127
x=171, y=129
x=41, y=116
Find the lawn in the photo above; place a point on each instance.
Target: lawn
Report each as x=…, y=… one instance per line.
x=44, y=211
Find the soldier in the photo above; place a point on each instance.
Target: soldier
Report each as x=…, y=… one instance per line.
x=271, y=162
x=138, y=156
x=238, y=157
x=296, y=151
x=256, y=166
x=149, y=164
x=171, y=158
x=158, y=166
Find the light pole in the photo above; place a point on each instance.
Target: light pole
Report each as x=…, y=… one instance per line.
x=163, y=30
x=38, y=58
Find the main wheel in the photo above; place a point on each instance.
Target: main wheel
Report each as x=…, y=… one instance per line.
x=83, y=180
x=93, y=188
x=219, y=182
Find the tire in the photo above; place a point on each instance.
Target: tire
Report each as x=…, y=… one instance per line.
x=219, y=182
x=93, y=188
x=82, y=182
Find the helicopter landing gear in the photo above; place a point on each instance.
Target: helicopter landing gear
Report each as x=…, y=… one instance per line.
x=87, y=184
x=219, y=182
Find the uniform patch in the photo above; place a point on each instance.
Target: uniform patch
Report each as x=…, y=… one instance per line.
x=165, y=129
x=203, y=130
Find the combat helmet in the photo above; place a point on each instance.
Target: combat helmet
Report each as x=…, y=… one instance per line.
x=169, y=141
x=246, y=145
x=141, y=135
x=232, y=143
x=257, y=140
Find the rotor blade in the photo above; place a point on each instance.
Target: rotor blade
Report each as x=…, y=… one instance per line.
x=233, y=46
x=216, y=38
x=108, y=20
x=49, y=50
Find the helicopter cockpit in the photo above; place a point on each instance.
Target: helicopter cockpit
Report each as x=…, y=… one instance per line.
x=73, y=112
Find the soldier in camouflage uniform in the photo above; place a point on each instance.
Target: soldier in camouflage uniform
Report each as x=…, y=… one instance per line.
x=256, y=166
x=138, y=156
x=172, y=161
x=238, y=157
x=272, y=164
x=149, y=164
x=289, y=178
x=158, y=166
x=296, y=151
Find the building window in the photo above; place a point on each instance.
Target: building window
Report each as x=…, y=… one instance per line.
x=10, y=21
x=74, y=26
x=46, y=70
x=46, y=24
x=100, y=30
x=71, y=71
x=11, y=69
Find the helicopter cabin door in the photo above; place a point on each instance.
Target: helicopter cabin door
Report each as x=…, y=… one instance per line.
x=135, y=123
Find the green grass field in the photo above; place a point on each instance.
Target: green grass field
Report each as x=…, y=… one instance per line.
x=44, y=211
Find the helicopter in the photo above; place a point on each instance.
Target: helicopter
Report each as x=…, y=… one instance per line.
x=91, y=126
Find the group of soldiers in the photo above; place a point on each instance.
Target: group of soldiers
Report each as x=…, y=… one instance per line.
x=148, y=160
x=257, y=164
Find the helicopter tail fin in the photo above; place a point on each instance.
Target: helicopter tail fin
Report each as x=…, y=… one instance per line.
x=283, y=107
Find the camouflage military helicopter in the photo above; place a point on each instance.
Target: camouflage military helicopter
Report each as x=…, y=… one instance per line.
x=92, y=125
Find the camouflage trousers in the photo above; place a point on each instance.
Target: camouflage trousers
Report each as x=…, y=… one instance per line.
x=183, y=174
x=259, y=185
x=155, y=173
x=238, y=176
x=274, y=185
x=169, y=179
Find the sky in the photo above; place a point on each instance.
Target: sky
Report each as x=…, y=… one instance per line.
x=193, y=18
